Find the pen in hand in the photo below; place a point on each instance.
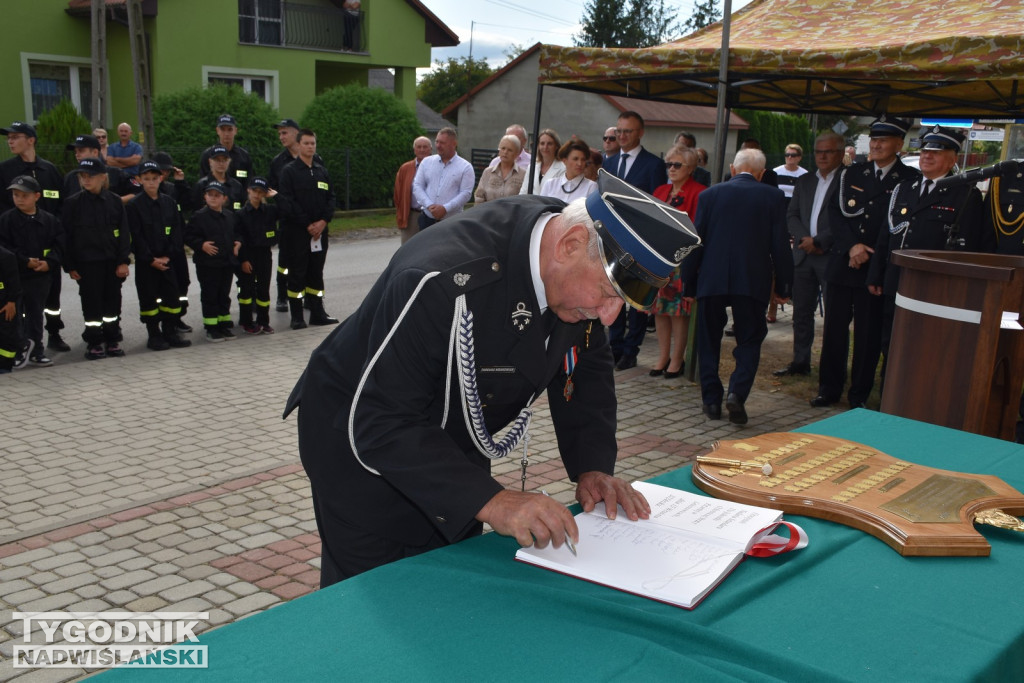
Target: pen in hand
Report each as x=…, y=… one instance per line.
x=568, y=539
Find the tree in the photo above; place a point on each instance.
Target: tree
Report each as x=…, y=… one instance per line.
x=610, y=23
x=451, y=80
x=56, y=128
x=705, y=13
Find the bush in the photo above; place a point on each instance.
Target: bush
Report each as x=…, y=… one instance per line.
x=56, y=128
x=775, y=131
x=363, y=136
x=185, y=124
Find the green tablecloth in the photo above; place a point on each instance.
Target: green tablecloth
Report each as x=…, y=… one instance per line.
x=846, y=608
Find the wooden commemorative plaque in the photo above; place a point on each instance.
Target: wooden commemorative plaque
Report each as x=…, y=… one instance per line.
x=915, y=509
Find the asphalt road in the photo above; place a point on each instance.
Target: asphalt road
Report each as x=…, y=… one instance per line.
x=352, y=267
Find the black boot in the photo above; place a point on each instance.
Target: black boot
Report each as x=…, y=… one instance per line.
x=282, y=297
x=298, y=321
x=171, y=335
x=156, y=340
x=317, y=314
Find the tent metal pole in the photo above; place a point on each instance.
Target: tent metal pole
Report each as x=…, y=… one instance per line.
x=536, y=137
x=721, y=119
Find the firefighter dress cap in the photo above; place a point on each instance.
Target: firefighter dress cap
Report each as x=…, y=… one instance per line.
x=25, y=183
x=942, y=138
x=84, y=142
x=889, y=126
x=91, y=167
x=643, y=239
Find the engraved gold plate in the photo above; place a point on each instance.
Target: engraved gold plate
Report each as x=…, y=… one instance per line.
x=937, y=499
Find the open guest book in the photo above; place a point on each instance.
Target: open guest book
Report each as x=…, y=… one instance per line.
x=678, y=556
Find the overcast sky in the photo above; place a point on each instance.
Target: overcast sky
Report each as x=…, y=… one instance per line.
x=493, y=25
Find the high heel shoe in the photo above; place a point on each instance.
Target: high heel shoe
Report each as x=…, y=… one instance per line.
x=655, y=372
x=668, y=374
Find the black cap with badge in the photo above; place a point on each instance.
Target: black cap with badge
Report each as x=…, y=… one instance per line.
x=287, y=123
x=226, y=120
x=940, y=137
x=25, y=183
x=19, y=127
x=259, y=183
x=219, y=151
x=91, y=167
x=889, y=126
x=643, y=239
x=164, y=160
x=150, y=167
x=84, y=142
x=215, y=186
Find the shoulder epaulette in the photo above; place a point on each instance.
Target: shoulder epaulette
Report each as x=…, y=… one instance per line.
x=470, y=275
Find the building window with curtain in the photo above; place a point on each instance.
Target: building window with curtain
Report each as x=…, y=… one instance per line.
x=53, y=82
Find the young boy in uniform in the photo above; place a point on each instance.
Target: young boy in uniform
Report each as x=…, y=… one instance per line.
x=35, y=238
x=10, y=290
x=97, y=255
x=215, y=242
x=258, y=226
x=156, y=237
x=220, y=160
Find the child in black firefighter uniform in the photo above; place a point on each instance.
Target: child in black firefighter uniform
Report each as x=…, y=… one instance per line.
x=96, y=256
x=212, y=234
x=35, y=238
x=157, y=235
x=10, y=291
x=258, y=227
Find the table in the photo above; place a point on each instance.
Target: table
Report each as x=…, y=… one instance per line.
x=846, y=608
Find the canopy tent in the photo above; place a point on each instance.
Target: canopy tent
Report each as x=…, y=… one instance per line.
x=933, y=59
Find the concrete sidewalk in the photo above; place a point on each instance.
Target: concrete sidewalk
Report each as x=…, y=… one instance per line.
x=168, y=481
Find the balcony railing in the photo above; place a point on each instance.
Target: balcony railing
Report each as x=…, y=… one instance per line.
x=308, y=27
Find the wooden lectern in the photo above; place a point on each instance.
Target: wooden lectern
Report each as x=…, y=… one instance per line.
x=956, y=356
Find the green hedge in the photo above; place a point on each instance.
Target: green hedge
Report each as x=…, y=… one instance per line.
x=363, y=135
x=55, y=130
x=775, y=131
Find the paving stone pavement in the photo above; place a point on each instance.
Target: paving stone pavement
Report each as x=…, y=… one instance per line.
x=168, y=481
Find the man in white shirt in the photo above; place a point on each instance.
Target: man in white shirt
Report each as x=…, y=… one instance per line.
x=444, y=181
x=807, y=221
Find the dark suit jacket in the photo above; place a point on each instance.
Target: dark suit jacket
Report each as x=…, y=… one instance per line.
x=798, y=215
x=926, y=223
x=859, y=210
x=432, y=480
x=743, y=230
x=646, y=173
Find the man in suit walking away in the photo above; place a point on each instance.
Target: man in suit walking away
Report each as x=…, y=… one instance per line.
x=807, y=220
x=645, y=171
x=743, y=229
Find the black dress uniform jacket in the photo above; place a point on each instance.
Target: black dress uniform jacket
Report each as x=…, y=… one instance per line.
x=38, y=236
x=95, y=229
x=43, y=171
x=219, y=227
x=1004, y=213
x=859, y=214
x=432, y=481
x=927, y=222
x=156, y=227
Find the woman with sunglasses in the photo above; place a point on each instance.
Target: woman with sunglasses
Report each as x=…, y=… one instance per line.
x=574, y=184
x=671, y=313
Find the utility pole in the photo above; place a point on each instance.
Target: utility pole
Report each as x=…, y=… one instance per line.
x=99, y=63
x=140, y=60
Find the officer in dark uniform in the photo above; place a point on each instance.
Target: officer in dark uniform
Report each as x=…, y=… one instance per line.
x=21, y=140
x=287, y=133
x=465, y=328
x=924, y=217
x=860, y=212
x=306, y=200
x=241, y=163
x=1004, y=218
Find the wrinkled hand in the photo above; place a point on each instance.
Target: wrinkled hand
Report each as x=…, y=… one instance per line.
x=594, y=487
x=859, y=255
x=531, y=518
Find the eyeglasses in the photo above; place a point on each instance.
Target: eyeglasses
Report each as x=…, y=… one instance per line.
x=608, y=138
x=625, y=131
x=792, y=154
x=674, y=164
x=828, y=151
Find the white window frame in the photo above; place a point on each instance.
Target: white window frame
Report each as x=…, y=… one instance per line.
x=272, y=76
x=74, y=64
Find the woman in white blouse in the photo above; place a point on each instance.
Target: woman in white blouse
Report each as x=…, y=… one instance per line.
x=547, y=164
x=574, y=184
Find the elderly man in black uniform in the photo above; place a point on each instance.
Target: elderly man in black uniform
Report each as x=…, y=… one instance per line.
x=463, y=331
x=858, y=214
x=922, y=216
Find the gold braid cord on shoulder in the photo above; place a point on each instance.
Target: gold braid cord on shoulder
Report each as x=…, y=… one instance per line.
x=997, y=216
